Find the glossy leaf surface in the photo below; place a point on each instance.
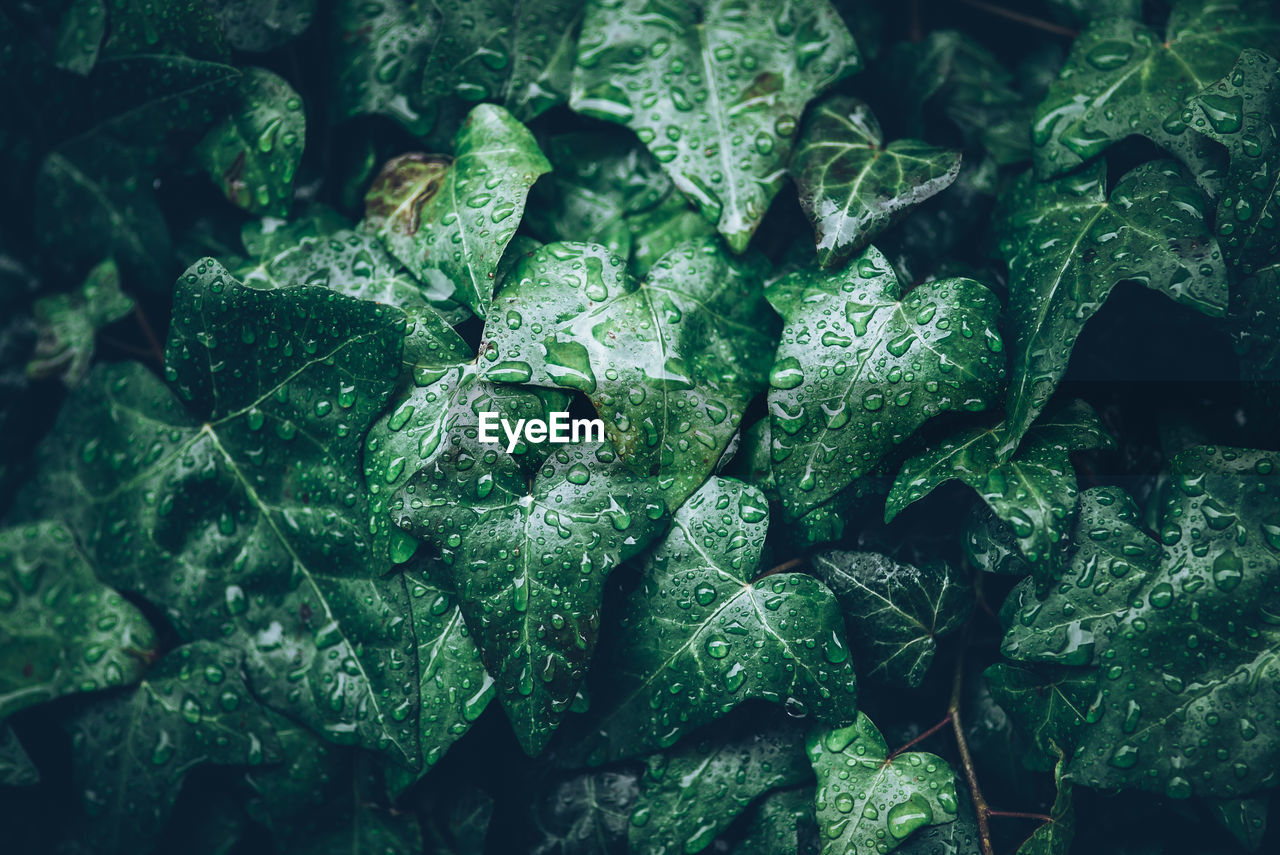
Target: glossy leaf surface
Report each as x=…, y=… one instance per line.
x=861, y=367
x=719, y=103
x=852, y=185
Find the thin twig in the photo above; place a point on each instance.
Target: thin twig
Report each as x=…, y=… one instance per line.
x=922, y=737
x=1022, y=18
x=782, y=568
x=156, y=350
x=966, y=759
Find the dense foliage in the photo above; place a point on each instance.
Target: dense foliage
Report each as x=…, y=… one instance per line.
x=937, y=351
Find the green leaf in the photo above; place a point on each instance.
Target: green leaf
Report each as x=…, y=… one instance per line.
x=253, y=152
x=1111, y=558
x=1050, y=704
x=68, y=324
x=1054, y=837
x=607, y=189
x=242, y=514
x=457, y=820
x=719, y=101
x=186, y=27
x=262, y=25
x=1034, y=491
x=1068, y=244
x=867, y=800
x=353, y=262
x=16, y=768
x=1208, y=644
x=1122, y=79
x=991, y=546
x=670, y=365
x=1245, y=818
x=896, y=611
x=700, y=636
x=378, y=53
x=951, y=76
x=517, y=54
x=861, y=367
x=694, y=791
x=852, y=185
x=80, y=34
x=587, y=814
x=959, y=837
x=529, y=557
x=1242, y=111
x=448, y=221
x=61, y=630
x=782, y=823
x=133, y=750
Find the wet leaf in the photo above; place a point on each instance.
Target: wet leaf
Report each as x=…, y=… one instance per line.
x=133, y=750
x=1245, y=818
x=1068, y=243
x=519, y=55
x=587, y=814
x=1054, y=837
x=252, y=154
x=448, y=221
x=80, y=34
x=261, y=25
x=867, y=799
x=69, y=323
x=782, y=823
x=691, y=793
x=895, y=611
x=528, y=557
x=720, y=95
x=1034, y=491
x=861, y=367
x=61, y=630
x=378, y=53
x=1049, y=704
x=669, y=365
x=700, y=637
x=852, y=185
x=1122, y=79
x=241, y=512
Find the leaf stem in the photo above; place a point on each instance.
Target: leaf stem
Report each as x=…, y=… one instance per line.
x=782, y=568
x=946, y=720
x=1018, y=814
x=966, y=759
x=1022, y=18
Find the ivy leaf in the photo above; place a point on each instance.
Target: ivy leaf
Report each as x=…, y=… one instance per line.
x=262, y=25
x=1245, y=818
x=896, y=611
x=1242, y=111
x=1111, y=558
x=528, y=557
x=868, y=800
x=1122, y=79
x=1054, y=837
x=861, y=367
x=670, y=365
x=253, y=152
x=1206, y=620
x=133, y=750
x=80, y=34
x=719, y=102
x=185, y=27
x=1049, y=704
x=953, y=76
x=694, y=791
x=242, y=514
x=94, y=639
x=700, y=637
x=991, y=546
x=853, y=186
x=587, y=814
x=448, y=221
x=1034, y=491
x=517, y=54
x=1068, y=244
x=379, y=51
x=607, y=189
x=959, y=837
x=16, y=768
x=782, y=823
x=68, y=324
